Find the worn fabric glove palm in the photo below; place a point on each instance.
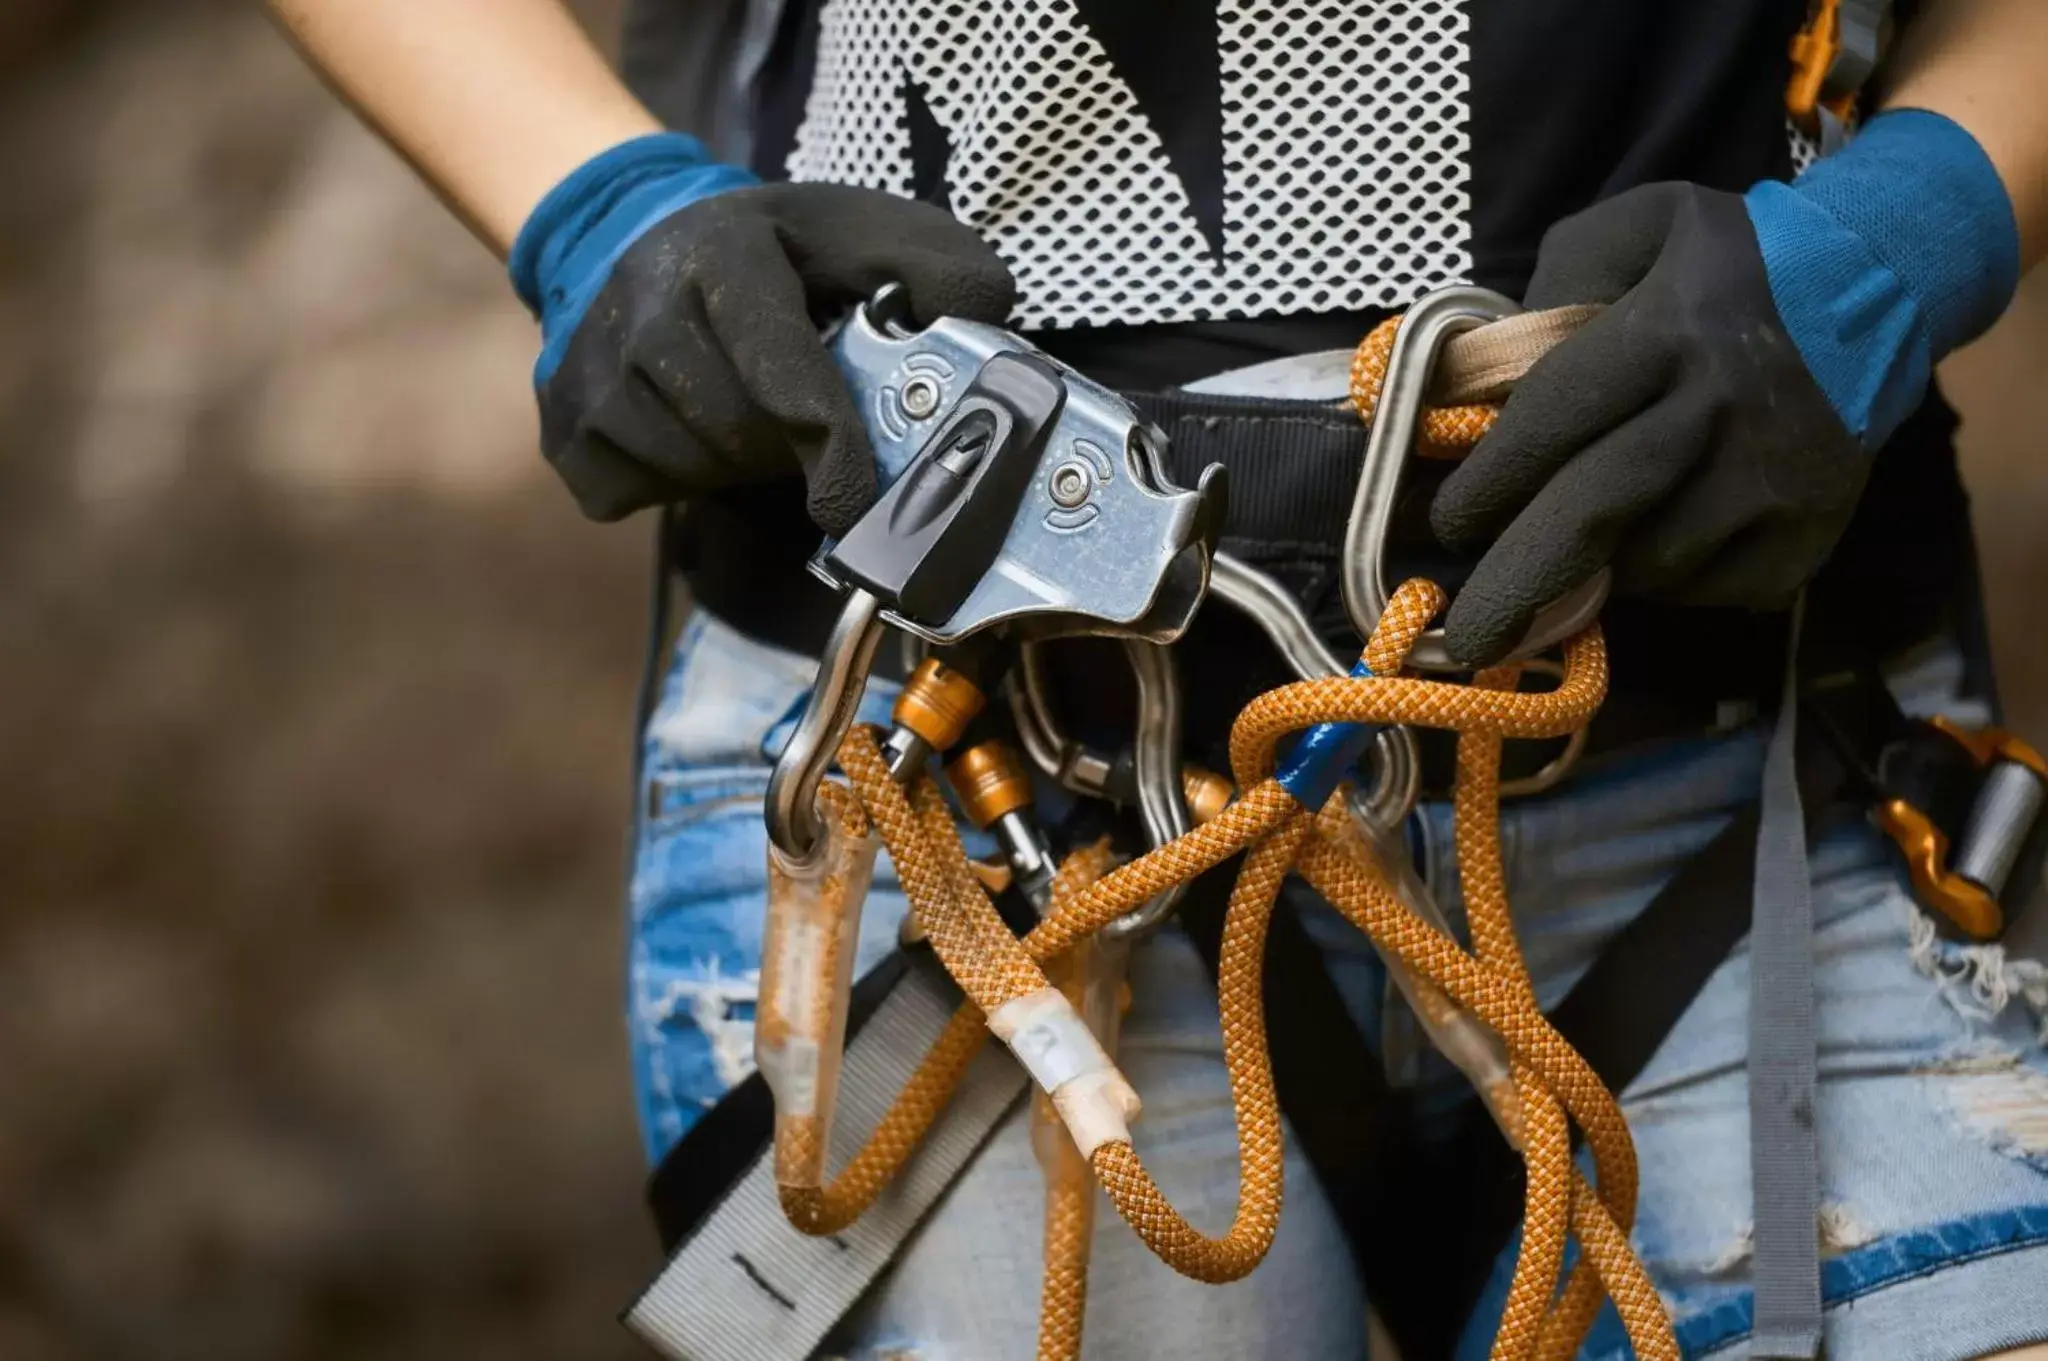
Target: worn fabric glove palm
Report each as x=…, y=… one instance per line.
x=681, y=304
x=1709, y=433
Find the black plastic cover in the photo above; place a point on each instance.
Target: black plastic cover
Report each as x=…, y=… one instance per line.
x=938, y=529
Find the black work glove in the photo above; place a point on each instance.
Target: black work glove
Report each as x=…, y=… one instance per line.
x=1678, y=436
x=698, y=364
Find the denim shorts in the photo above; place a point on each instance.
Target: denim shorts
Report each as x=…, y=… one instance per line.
x=1933, y=1101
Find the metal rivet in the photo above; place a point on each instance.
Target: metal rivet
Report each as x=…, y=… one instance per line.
x=920, y=398
x=1069, y=486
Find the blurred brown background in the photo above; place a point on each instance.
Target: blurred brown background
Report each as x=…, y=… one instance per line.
x=314, y=737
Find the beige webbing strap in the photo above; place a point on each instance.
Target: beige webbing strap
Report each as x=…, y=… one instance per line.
x=747, y=1286
x=1483, y=364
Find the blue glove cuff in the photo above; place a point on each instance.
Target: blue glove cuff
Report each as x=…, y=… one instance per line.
x=571, y=240
x=1884, y=257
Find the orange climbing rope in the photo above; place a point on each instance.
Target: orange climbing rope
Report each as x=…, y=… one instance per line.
x=1009, y=991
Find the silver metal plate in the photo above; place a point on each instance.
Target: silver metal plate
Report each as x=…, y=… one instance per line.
x=1102, y=542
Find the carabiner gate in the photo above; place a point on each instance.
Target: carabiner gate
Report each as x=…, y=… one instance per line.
x=1434, y=319
x=1397, y=763
x=1162, y=804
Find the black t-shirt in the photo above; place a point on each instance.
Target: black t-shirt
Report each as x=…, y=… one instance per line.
x=1185, y=187
x=1241, y=179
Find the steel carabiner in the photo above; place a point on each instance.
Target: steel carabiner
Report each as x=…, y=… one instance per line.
x=1433, y=319
x=1071, y=764
x=791, y=809
x=1154, y=778
x=1397, y=764
x=1162, y=804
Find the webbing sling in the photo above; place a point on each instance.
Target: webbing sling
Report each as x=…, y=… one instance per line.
x=1784, y=1149
x=747, y=1286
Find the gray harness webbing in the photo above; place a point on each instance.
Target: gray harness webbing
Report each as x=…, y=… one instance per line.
x=747, y=1286
x=1784, y=1153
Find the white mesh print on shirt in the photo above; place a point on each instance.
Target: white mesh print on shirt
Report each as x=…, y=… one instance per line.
x=1805, y=148
x=1345, y=133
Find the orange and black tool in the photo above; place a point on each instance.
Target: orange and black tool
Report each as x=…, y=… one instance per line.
x=1833, y=55
x=1962, y=805
x=1966, y=873
x=940, y=698
x=995, y=792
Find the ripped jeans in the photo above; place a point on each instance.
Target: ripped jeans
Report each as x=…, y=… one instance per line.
x=1933, y=1099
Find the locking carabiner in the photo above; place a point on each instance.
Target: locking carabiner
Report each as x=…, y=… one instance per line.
x=1095, y=774
x=1152, y=776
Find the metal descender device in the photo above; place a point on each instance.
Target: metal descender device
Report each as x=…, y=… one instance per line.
x=1019, y=495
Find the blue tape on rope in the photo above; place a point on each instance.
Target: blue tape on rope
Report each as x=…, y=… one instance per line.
x=1324, y=755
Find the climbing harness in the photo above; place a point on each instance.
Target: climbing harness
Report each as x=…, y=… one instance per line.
x=1004, y=437
x=1026, y=505
x=922, y=1089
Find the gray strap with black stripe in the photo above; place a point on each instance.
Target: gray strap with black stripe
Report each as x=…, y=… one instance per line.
x=747, y=1286
x=1784, y=1150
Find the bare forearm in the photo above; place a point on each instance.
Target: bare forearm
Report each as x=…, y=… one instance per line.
x=1984, y=64
x=492, y=101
